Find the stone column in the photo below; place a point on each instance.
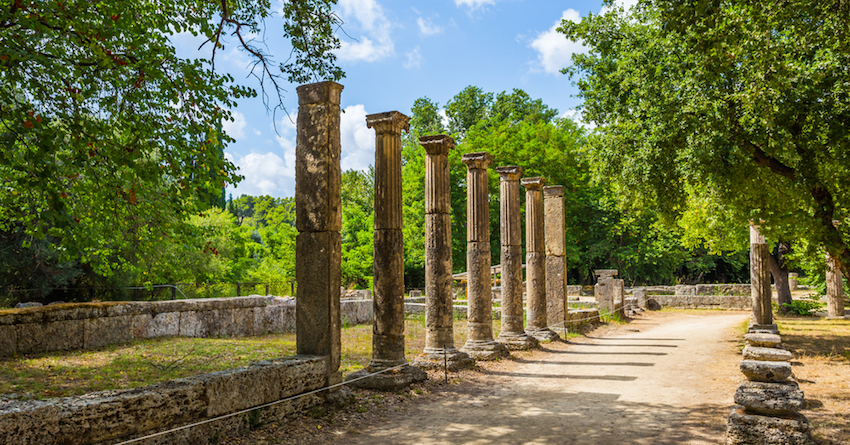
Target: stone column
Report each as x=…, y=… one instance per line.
x=439, y=329
x=604, y=290
x=535, y=262
x=388, y=270
x=513, y=333
x=556, y=250
x=834, y=290
x=619, y=291
x=479, y=344
x=792, y=281
x=760, y=282
x=318, y=219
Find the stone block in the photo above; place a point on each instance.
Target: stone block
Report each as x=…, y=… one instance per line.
x=766, y=354
x=165, y=324
x=770, y=398
x=29, y=422
x=763, y=340
x=317, y=267
x=8, y=340
x=107, y=330
x=56, y=336
x=191, y=324
x=279, y=318
x=762, y=371
x=139, y=324
x=746, y=428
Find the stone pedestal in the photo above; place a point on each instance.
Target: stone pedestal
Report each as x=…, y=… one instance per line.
x=318, y=220
x=834, y=290
x=760, y=278
x=513, y=333
x=479, y=344
x=388, y=300
x=535, y=262
x=556, y=259
x=439, y=321
x=792, y=281
x=604, y=290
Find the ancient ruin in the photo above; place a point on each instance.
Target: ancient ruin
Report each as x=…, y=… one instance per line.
x=388, y=327
x=512, y=333
x=760, y=281
x=604, y=289
x=556, y=251
x=535, y=260
x=439, y=321
x=479, y=344
x=834, y=290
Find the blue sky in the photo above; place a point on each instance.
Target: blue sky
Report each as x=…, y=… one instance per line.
x=394, y=52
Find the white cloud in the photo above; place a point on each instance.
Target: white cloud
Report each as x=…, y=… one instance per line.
x=236, y=127
x=286, y=139
x=375, y=43
x=358, y=142
x=444, y=118
x=554, y=50
x=414, y=59
x=428, y=28
x=474, y=4
x=578, y=117
x=258, y=132
x=264, y=174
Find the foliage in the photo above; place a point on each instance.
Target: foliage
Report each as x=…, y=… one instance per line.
x=739, y=103
x=358, y=225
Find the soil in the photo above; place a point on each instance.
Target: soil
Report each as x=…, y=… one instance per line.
x=664, y=377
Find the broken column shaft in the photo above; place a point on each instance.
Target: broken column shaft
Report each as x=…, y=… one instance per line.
x=760, y=281
x=834, y=289
x=556, y=260
x=535, y=262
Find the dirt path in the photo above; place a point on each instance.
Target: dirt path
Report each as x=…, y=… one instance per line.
x=661, y=379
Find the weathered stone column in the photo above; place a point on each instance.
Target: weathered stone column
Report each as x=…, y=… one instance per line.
x=556, y=251
x=760, y=282
x=834, y=290
x=535, y=262
x=792, y=281
x=604, y=290
x=439, y=328
x=479, y=344
x=619, y=291
x=388, y=270
x=318, y=219
x=513, y=333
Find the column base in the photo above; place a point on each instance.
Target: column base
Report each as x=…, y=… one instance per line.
x=542, y=334
x=387, y=381
x=437, y=358
x=518, y=341
x=748, y=428
x=763, y=328
x=485, y=350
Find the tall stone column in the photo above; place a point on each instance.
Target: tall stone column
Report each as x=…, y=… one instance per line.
x=556, y=251
x=535, y=262
x=318, y=219
x=439, y=311
x=834, y=290
x=513, y=333
x=604, y=290
x=479, y=344
x=388, y=270
x=760, y=282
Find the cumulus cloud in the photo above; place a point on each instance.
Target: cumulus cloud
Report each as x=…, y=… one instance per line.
x=554, y=50
x=474, y=4
x=264, y=174
x=427, y=27
x=577, y=117
x=375, y=42
x=236, y=127
x=358, y=142
x=414, y=59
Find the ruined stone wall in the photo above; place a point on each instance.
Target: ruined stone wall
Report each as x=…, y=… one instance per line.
x=111, y=416
x=92, y=325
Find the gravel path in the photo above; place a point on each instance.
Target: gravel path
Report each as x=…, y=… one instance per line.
x=664, y=378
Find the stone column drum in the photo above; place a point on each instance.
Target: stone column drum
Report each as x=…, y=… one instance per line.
x=834, y=290
x=760, y=281
x=479, y=344
x=556, y=250
x=439, y=328
x=388, y=300
x=604, y=290
x=318, y=219
x=792, y=281
x=619, y=291
x=535, y=262
x=513, y=333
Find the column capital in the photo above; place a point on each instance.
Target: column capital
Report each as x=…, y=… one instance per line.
x=533, y=183
x=390, y=122
x=321, y=92
x=553, y=191
x=437, y=144
x=509, y=173
x=605, y=273
x=480, y=160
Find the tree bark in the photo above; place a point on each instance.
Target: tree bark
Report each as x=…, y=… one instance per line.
x=779, y=270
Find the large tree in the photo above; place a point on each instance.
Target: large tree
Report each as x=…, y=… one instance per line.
x=105, y=132
x=743, y=103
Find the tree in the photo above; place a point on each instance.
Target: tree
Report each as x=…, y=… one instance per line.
x=745, y=101
x=104, y=129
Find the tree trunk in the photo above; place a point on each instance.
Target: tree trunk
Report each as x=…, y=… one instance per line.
x=779, y=270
